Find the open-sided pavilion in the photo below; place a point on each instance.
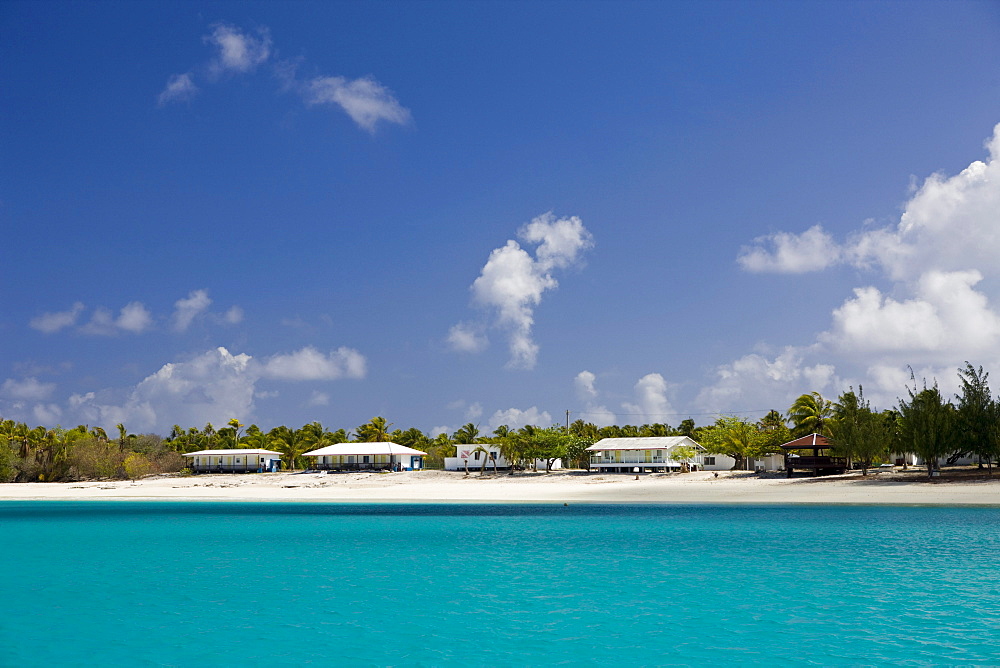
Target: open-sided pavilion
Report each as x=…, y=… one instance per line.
x=820, y=461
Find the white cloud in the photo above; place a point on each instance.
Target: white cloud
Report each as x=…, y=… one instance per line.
x=947, y=317
x=214, y=386
x=47, y=414
x=651, y=404
x=319, y=399
x=190, y=307
x=234, y=315
x=365, y=100
x=936, y=309
x=950, y=224
x=466, y=338
x=237, y=51
x=516, y=418
x=756, y=383
x=50, y=323
x=27, y=389
x=600, y=415
x=102, y=323
x=474, y=411
x=180, y=88
x=135, y=318
x=585, y=388
x=310, y=364
x=512, y=282
x=785, y=253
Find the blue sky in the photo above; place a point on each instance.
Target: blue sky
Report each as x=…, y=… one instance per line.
x=491, y=212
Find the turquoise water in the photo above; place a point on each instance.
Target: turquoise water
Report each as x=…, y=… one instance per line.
x=192, y=584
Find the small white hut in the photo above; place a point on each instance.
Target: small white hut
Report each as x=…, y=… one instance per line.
x=366, y=456
x=234, y=461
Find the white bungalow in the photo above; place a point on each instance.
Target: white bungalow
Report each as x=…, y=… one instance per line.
x=472, y=456
x=366, y=456
x=646, y=453
x=227, y=461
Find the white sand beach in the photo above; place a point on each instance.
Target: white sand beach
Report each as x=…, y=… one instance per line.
x=557, y=487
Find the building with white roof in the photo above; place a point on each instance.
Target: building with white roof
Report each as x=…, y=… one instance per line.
x=366, y=456
x=238, y=461
x=647, y=453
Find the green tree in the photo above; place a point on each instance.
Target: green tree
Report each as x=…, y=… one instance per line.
x=810, y=414
x=375, y=430
x=287, y=442
x=976, y=425
x=577, y=455
x=734, y=437
x=466, y=434
x=926, y=424
x=137, y=466
x=774, y=431
x=860, y=433
x=235, y=425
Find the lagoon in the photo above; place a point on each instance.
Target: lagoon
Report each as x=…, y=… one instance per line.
x=260, y=584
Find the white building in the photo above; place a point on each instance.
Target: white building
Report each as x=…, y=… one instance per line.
x=366, y=456
x=717, y=462
x=648, y=454
x=226, y=461
x=472, y=456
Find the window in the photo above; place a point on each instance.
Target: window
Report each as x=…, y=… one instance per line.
x=709, y=461
x=476, y=455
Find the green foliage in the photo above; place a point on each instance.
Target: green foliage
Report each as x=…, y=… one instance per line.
x=137, y=466
x=774, y=432
x=926, y=424
x=375, y=430
x=736, y=438
x=8, y=461
x=466, y=434
x=576, y=455
x=811, y=413
x=859, y=432
x=977, y=428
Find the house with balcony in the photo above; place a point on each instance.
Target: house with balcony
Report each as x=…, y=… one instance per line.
x=648, y=454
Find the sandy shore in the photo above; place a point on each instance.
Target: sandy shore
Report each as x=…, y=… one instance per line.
x=576, y=487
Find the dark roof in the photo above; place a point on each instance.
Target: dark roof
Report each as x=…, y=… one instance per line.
x=809, y=442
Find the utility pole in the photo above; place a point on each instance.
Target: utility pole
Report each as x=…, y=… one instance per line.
x=567, y=421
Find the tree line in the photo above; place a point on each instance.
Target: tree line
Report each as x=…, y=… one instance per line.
x=924, y=423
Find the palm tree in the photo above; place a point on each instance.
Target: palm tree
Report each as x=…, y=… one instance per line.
x=466, y=434
x=811, y=414
x=375, y=430
x=287, y=442
x=122, y=435
x=487, y=455
x=236, y=425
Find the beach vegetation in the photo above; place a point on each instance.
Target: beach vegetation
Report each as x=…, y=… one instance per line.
x=735, y=437
x=927, y=424
x=860, y=433
x=811, y=414
x=137, y=466
x=977, y=418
